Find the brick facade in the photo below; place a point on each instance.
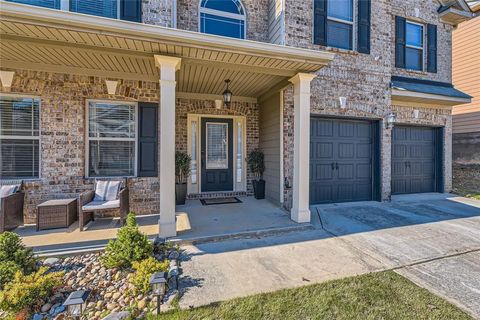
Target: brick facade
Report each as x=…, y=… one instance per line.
x=62, y=131
x=158, y=12
x=364, y=79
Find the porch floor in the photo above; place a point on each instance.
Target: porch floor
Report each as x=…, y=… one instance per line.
x=70, y=240
x=196, y=221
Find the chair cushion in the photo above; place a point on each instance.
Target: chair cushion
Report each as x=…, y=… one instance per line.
x=101, y=205
x=106, y=190
x=5, y=191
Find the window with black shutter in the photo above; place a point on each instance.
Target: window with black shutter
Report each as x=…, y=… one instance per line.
x=363, y=25
x=432, y=48
x=147, y=139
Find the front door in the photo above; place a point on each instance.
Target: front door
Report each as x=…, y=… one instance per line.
x=217, y=154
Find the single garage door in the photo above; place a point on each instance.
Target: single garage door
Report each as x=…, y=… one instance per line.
x=414, y=159
x=342, y=154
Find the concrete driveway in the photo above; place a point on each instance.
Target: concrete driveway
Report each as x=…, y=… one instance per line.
x=432, y=239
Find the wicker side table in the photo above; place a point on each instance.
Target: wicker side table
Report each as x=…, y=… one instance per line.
x=56, y=214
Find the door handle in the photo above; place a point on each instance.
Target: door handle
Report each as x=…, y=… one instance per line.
x=336, y=166
x=333, y=166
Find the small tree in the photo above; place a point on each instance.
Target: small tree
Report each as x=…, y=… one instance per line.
x=131, y=245
x=14, y=256
x=255, y=161
x=182, y=166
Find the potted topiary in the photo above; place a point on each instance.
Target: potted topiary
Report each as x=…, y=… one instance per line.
x=182, y=172
x=255, y=160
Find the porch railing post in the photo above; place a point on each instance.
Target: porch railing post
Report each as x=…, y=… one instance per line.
x=300, y=211
x=168, y=67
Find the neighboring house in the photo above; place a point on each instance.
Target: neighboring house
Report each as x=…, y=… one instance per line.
x=466, y=76
x=113, y=89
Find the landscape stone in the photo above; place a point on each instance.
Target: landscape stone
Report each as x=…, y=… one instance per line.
x=46, y=307
x=117, y=315
x=50, y=261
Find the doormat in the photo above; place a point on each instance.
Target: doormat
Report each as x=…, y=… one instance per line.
x=210, y=202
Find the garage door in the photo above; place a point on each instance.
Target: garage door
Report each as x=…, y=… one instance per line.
x=413, y=159
x=341, y=160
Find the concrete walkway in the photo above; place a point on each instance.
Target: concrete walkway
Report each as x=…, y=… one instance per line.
x=424, y=237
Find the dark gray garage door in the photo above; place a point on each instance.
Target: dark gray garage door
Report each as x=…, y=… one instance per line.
x=341, y=160
x=413, y=159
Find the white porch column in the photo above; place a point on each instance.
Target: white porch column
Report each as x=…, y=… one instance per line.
x=168, y=67
x=301, y=143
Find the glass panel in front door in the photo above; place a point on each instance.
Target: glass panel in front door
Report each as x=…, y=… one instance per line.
x=217, y=145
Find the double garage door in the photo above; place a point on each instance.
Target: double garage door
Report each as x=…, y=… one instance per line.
x=345, y=160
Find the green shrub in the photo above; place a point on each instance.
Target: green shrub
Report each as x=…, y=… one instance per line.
x=131, y=245
x=29, y=291
x=14, y=256
x=143, y=271
x=7, y=272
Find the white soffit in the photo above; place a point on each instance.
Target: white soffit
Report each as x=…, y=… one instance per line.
x=42, y=39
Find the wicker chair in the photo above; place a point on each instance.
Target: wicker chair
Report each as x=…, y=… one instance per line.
x=87, y=206
x=11, y=207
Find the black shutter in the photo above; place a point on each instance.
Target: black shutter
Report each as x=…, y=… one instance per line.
x=400, y=30
x=131, y=10
x=320, y=22
x=432, y=48
x=147, y=139
x=364, y=8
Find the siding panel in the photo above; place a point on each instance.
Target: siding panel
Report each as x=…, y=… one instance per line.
x=466, y=68
x=269, y=129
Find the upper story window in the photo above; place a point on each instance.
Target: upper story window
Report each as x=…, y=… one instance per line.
x=130, y=10
x=19, y=137
x=340, y=24
x=343, y=24
x=102, y=8
x=223, y=18
x=54, y=4
x=414, y=46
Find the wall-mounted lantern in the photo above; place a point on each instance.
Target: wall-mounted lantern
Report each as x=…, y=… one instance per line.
x=391, y=119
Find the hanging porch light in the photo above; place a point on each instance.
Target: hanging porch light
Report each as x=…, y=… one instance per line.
x=227, y=94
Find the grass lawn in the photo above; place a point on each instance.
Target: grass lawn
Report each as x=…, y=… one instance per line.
x=383, y=295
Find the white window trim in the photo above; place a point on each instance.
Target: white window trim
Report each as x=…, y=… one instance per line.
x=223, y=14
x=416, y=47
x=39, y=137
x=87, y=138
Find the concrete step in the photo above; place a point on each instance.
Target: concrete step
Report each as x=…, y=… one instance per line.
x=258, y=233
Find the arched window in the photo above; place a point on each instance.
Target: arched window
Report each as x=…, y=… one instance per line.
x=223, y=18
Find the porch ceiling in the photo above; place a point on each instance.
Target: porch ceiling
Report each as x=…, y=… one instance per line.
x=35, y=38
